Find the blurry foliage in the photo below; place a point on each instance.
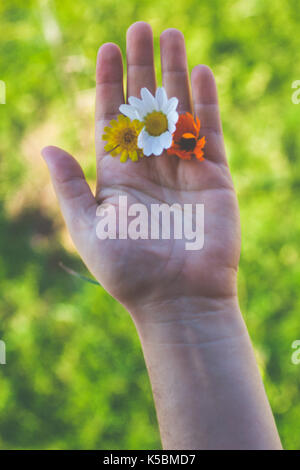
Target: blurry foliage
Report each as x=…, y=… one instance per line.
x=75, y=376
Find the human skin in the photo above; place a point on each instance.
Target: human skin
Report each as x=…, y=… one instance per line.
x=206, y=385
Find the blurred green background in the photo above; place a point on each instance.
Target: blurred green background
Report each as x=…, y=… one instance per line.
x=75, y=375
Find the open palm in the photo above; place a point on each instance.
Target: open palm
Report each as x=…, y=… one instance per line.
x=145, y=271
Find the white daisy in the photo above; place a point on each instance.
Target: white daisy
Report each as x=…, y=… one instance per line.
x=159, y=116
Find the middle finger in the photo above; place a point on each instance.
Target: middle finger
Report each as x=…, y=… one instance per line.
x=140, y=61
x=175, y=74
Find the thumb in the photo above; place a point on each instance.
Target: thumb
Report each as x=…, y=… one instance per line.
x=77, y=203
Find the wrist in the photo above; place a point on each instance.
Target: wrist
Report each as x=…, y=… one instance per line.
x=206, y=385
x=189, y=320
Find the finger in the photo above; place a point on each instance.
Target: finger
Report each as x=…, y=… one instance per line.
x=206, y=98
x=206, y=107
x=140, y=60
x=109, y=91
x=109, y=82
x=76, y=200
x=175, y=74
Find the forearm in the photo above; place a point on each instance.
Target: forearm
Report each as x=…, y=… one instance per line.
x=206, y=385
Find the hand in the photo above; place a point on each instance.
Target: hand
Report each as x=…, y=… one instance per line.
x=144, y=271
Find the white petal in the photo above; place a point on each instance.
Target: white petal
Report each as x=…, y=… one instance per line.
x=142, y=138
x=173, y=117
x=171, y=105
x=171, y=127
x=146, y=109
x=136, y=103
x=166, y=139
x=150, y=144
x=128, y=111
x=157, y=148
x=148, y=149
x=161, y=98
x=141, y=107
x=148, y=99
x=139, y=116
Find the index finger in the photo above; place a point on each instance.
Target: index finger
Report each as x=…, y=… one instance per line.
x=109, y=90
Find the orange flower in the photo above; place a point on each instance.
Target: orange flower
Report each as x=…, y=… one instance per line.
x=186, y=142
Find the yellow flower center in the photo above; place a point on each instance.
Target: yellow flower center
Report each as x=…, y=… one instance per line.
x=128, y=138
x=156, y=123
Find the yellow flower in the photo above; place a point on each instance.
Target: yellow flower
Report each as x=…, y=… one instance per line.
x=122, y=138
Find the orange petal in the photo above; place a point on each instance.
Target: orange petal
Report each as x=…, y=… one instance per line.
x=176, y=150
x=198, y=125
x=188, y=135
x=198, y=152
x=185, y=124
x=201, y=142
